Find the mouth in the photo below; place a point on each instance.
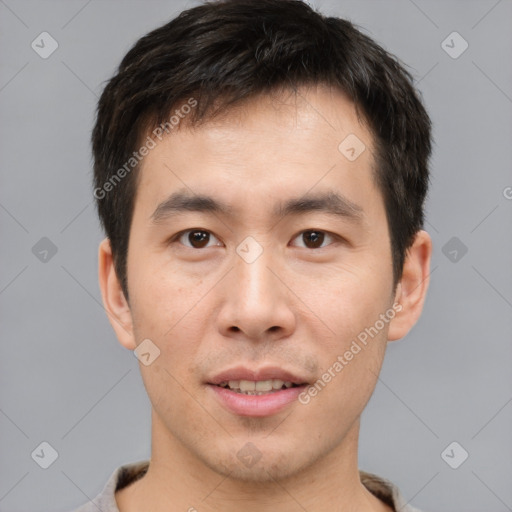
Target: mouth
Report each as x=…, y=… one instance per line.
x=261, y=387
x=257, y=393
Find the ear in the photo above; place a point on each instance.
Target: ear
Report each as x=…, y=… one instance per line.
x=114, y=301
x=412, y=288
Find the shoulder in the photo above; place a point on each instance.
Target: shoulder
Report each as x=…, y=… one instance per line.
x=121, y=477
x=386, y=491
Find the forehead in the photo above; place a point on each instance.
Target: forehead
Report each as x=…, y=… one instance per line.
x=274, y=146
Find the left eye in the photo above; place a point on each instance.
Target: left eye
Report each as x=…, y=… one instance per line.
x=313, y=238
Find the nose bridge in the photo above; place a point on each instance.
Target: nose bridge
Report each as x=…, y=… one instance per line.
x=253, y=278
x=256, y=302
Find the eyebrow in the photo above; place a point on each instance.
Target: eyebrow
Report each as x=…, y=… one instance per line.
x=329, y=202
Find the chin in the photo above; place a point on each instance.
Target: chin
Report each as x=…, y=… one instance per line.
x=261, y=473
x=249, y=465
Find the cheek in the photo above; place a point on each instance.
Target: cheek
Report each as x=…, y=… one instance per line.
x=348, y=375
x=165, y=311
x=170, y=380
x=346, y=301
x=352, y=350
x=160, y=296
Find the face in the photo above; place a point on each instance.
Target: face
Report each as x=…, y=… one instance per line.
x=275, y=277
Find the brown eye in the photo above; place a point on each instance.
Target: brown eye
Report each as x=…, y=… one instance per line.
x=314, y=239
x=198, y=239
x=194, y=238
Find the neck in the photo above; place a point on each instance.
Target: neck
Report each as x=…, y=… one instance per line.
x=176, y=476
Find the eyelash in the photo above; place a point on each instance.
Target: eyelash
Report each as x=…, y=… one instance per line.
x=177, y=236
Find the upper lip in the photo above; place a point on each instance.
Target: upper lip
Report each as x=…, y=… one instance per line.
x=266, y=373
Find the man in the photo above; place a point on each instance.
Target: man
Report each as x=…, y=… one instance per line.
x=260, y=172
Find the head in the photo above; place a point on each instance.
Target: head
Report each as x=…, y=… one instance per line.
x=270, y=121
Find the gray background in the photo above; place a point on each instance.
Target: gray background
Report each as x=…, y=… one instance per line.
x=64, y=378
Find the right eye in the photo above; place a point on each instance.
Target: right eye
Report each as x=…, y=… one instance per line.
x=197, y=238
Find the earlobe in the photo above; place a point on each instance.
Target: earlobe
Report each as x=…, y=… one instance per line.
x=114, y=301
x=412, y=288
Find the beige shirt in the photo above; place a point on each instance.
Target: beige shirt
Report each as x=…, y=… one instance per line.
x=383, y=489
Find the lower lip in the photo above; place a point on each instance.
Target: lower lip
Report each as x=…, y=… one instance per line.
x=256, y=405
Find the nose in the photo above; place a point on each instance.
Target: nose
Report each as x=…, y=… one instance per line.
x=257, y=304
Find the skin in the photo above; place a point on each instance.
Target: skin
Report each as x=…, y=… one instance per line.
x=294, y=307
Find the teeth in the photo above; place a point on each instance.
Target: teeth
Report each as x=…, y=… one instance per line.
x=246, y=385
x=264, y=385
x=277, y=384
x=250, y=387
